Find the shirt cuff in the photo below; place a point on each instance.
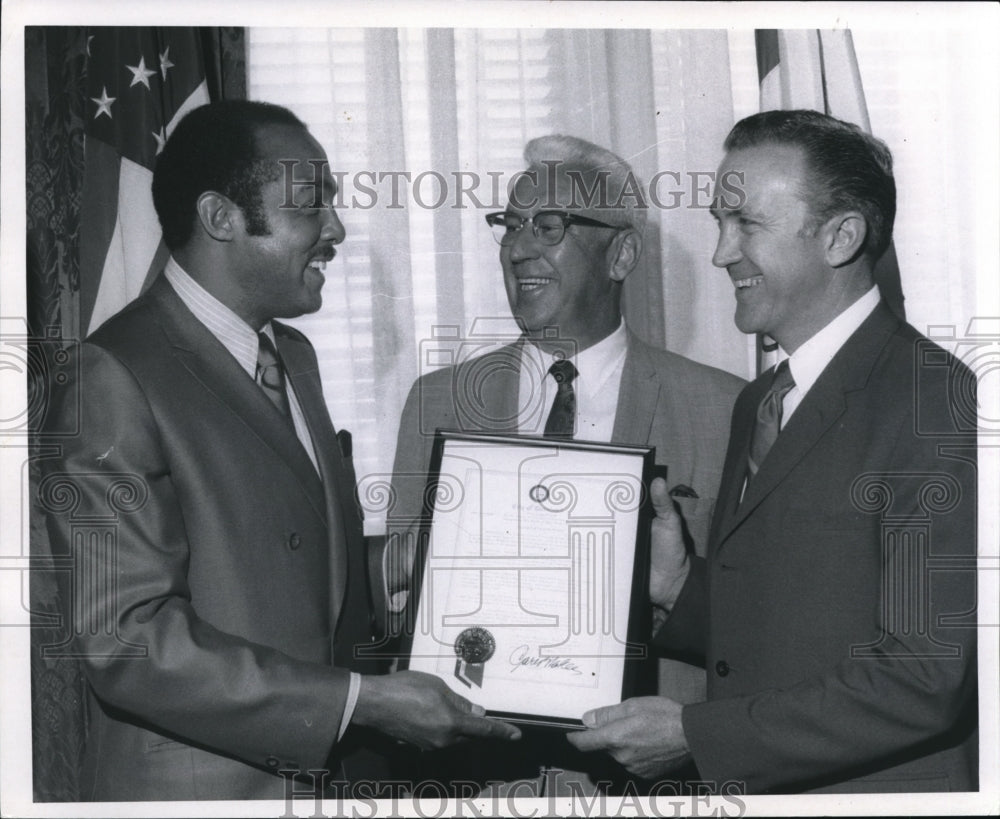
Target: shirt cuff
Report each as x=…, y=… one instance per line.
x=349, y=706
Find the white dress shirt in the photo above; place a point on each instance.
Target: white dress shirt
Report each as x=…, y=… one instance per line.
x=808, y=361
x=599, y=377
x=240, y=339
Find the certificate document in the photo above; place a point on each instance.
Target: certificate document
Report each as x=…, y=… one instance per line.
x=531, y=592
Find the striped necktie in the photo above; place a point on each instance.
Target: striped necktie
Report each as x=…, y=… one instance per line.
x=271, y=375
x=768, y=423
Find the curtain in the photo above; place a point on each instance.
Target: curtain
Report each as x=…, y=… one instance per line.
x=418, y=283
x=68, y=219
x=55, y=77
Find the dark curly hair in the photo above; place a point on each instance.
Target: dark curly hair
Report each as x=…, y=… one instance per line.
x=214, y=148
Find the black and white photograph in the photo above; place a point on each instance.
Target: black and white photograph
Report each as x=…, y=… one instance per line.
x=495, y=408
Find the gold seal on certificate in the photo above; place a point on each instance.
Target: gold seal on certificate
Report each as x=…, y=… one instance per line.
x=474, y=647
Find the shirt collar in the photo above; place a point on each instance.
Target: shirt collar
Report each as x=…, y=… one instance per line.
x=238, y=337
x=594, y=364
x=809, y=360
x=597, y=362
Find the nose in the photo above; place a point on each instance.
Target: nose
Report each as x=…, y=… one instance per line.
x=333, y=229
x=727, y=250
x=525, y=245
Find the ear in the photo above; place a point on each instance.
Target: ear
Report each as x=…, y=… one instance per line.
x=845, y=236
x=627, y=248
x=218, y=215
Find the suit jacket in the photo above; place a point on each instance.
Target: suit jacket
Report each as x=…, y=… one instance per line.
x=680, y=407
x=836, y=605
x=209, y=600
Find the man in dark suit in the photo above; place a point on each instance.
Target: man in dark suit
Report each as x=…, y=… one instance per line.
x=220, y=586
x=565, y=257
x=836, y=607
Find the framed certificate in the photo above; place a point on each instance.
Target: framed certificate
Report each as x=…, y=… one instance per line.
x=530, y=597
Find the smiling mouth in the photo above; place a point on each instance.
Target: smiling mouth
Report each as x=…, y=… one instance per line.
x=753, y=281
x=527, y=285
x=326, y=254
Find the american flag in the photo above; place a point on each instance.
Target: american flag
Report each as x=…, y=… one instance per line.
x=140, y=82
x=818, y=69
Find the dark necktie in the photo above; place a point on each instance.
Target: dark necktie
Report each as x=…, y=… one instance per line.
x=271, y=375
x=765, y=430
x=561, y=422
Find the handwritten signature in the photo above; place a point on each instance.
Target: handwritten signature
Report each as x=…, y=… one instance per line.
x=522, y=657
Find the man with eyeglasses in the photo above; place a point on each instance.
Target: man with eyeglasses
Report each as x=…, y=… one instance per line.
x=571, y=234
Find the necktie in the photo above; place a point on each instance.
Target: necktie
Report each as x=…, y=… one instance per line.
x=765, y=431
x=271, y=375
x=561, y=422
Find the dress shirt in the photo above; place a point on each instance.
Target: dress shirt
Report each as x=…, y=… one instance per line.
x=599, y=376
x=808, y=361
x=240, y=339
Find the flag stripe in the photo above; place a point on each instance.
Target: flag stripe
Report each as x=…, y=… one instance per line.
x=803, y=86
x=98, y=220
x=136, y=237
x=768, y=57
x=845, y=96
x=156, y=266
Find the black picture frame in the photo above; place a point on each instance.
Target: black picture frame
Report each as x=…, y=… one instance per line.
x=634, y=650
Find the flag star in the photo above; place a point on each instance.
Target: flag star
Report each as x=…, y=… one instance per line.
x=165, y=63
x=103, y=103
x=140, y=74
x=161, y=140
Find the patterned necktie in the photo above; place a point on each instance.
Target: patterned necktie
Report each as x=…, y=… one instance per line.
x=271, y=375
x=765, y=431
x=561, y=422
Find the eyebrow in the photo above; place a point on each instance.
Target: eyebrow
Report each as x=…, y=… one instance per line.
x=718, y=212
x=311, y=190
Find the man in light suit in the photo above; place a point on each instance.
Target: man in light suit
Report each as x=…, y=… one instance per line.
x=836, y=607
x=565, y=256
x=220, y=585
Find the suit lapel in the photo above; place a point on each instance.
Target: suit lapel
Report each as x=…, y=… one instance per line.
x=735, y=466
x=637, y=397
x=491, y=388
x=826, y=401
x=211, y=364
x=300, y=364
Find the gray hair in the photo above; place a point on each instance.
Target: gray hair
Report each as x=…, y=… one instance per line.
x=600, y=180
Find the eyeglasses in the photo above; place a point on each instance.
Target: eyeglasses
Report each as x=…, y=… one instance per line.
x=548, y=226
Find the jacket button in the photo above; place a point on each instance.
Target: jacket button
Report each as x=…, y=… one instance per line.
x=294, y=541
x=271, y=762
x=722, y=668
